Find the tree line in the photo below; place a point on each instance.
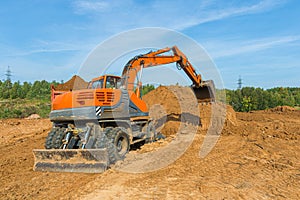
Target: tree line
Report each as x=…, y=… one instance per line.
x=242, y=100
x=26, y=90
x=250, y=98
x=21, y=100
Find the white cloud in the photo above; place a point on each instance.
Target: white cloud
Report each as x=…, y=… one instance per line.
x=84, y=6
x=36, y=51
x=220, y=49
x=209, y=15
x=44, y=46
x=177, y=15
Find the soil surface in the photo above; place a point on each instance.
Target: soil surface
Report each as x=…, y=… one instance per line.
x=256, y=156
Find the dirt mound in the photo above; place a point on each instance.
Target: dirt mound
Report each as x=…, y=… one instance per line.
x=230, y=116
x=164, y=97
x=168, y=104
x=282, y=109
x=218, y=112
x=33, y=116
x=75, y=83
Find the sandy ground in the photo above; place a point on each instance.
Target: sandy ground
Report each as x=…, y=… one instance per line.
x=256, y=157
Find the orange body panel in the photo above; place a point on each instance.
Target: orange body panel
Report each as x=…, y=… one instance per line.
x=87, y=97
x=138, y=102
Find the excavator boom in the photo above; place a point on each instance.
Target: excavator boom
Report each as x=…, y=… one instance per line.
x=204, y=90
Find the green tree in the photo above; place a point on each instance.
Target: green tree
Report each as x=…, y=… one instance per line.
x=236, y=100
x=25, y=89
x=16, y=90
x=39, y=90
x=247, y=104
x=1, y=89
x=297, y=98
x=147, y=88
x=250, y=98
x=5, y=89
x=34, y=91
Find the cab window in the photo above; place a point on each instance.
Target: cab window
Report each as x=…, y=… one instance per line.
x=97, y=84
x=113, y=82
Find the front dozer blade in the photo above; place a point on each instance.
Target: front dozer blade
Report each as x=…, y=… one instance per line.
x=206, y=92
x=71, y=160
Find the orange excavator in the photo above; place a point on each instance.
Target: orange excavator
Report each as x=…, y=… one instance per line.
x=94, y=127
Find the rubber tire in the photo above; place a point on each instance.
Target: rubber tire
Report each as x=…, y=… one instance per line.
x=103, y=142
x=119, y=138
x=109, y=138
x=49, y=138
x=58, y=138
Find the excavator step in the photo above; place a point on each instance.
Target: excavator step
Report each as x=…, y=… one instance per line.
x=71, y=160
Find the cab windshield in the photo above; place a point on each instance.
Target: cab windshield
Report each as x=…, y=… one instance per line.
x=96, y=84
x=111, y=82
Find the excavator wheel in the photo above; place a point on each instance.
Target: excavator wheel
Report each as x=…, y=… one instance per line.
x=49, y=139
x=117, y=143
x=102, y=142
x=58, y=138
x=119, y=138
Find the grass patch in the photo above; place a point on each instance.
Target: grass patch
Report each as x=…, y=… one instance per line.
x=21, y=108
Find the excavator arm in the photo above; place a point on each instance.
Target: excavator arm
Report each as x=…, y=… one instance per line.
x=187, y=67
x=204, y=90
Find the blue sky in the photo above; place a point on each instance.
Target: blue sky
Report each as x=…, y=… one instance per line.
x=258, y=39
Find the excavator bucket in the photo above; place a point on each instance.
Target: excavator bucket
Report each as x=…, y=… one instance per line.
x=71, y=160
x=206, y=92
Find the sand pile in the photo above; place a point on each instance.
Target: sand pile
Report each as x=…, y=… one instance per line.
x=171, y=105
x=163, y=97
x=219, y=112
x=282, y=109
x=33, y=116
x=75, y=83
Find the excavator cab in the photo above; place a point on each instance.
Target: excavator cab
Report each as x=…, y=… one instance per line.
x=106, y=81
